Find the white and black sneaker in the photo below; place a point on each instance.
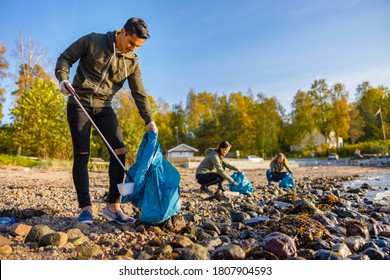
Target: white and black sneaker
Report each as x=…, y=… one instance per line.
x=119, y=217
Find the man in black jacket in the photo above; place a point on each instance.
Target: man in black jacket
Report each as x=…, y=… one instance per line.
x=106, y=61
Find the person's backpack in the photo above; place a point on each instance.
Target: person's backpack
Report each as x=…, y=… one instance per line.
x=244, y=185
x=156, y=183
x=287, y=182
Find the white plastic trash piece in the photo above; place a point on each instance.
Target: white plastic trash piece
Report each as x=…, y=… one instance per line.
x=126, y=188
x=231, y=193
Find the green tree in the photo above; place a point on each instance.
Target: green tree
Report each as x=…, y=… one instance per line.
x=3, y=66
x=6, y=142
x=235, y=122
x=362, y=89
x=40, y=124
x=356, y=125
x=267, y=126
x=370, y=102
x=206, y=136
x=178, y=119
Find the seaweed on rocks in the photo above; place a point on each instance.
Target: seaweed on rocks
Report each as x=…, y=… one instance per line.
x=301, y=227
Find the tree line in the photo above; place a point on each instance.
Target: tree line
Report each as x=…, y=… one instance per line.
x=253, y=123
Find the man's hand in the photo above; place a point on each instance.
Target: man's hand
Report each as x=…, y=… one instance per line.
x=63, y=88
x=152, y=126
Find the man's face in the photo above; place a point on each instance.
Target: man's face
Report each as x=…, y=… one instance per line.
x=128, y=43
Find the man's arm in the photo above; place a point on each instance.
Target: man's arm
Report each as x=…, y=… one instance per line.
x=141, y=98
x=70, y=56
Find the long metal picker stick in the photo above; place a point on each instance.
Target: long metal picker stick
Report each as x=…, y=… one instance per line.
x=76, y=97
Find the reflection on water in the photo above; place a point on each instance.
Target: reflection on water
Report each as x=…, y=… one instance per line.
x=380, y=181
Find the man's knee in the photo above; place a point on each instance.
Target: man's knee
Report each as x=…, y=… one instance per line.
x=120, y=151
x=81, y=158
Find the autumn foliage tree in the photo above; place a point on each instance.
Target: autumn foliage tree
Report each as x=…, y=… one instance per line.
x=339, y=120
x=303, y=118
x=130, y=121
x=30, y=58
x=3, y=66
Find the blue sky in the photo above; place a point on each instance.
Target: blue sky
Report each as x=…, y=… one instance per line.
x=272, y=47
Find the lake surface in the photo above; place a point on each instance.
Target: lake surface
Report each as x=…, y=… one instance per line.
x=380, y=181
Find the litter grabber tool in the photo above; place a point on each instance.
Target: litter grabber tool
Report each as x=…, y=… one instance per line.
x=125, y=188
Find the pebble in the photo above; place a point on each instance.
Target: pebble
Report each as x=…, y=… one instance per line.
x=319, y=219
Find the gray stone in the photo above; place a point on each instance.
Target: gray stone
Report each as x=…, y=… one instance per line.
x=359, y=257
x=211, y=243
x=342, y=250
x=144, y=256
x=89, y=251
x=374, y=254
x=210, y=225
x=176, y=223
x=307, y=254
x=355, y=227
x=229, y=252
x=238, y=216
x=355, y=243
x=76, y=236
x=195, y=252
x=305, y=206
x=181, y=242
x=259, y=220
x=37, y=232
x=326, y=255
x=58, y=239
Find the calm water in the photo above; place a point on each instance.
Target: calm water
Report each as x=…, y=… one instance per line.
x=381, y=182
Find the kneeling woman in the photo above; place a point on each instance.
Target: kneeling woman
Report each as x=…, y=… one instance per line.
x=278, y=163
x=211, y=170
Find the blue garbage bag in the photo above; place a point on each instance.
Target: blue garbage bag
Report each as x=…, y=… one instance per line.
x=287, y=182
x=244, y=185
x=156, y=183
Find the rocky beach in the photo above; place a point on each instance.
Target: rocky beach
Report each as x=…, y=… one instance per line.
x=319, y=219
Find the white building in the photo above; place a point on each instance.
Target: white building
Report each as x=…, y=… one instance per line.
x=182, y=151
x=318, y=140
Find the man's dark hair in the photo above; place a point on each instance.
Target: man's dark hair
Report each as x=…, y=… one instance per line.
x=137, y=26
